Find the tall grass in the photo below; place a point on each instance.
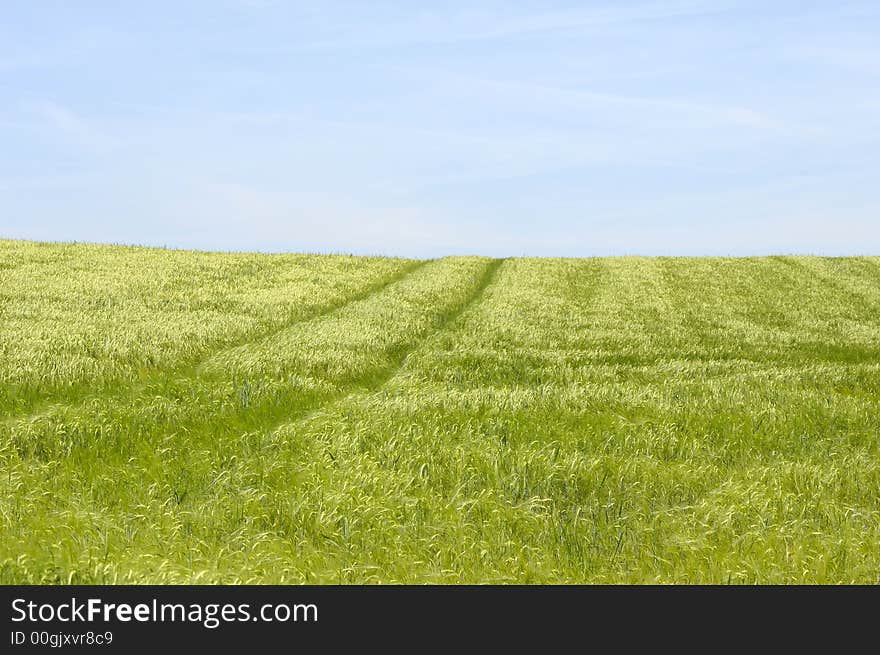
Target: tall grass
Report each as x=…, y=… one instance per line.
x=460, y=420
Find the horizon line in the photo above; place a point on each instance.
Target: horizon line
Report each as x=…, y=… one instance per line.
x=345, y=253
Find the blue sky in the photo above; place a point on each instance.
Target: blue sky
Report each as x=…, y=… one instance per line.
x=416, y=128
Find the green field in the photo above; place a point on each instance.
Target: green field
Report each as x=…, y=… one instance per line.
x=177, y=417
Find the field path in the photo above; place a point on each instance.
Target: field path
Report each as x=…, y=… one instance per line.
x=382, y=377
x=845, y=281
x=134, y=388
x=244, y=389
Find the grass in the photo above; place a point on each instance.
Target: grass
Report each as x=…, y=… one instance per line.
x=175, y=417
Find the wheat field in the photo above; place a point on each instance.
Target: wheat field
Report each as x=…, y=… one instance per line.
x=190, y=417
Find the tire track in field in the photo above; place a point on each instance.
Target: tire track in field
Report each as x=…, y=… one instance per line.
x=366, y=292
x=133, y=388
x=204, y=417
x=819, y=276
x=373, y=383
x=872, y=260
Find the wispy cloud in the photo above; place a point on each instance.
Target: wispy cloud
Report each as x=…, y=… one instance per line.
x=235, y=216
x=559, y=98
x=73, y=128
x=485, y=22
x=861, y=58
x=506, y=126
x=19, y=62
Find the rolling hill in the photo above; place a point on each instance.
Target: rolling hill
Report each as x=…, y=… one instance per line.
x=176, y=417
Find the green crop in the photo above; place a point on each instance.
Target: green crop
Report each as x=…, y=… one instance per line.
x=177, y=417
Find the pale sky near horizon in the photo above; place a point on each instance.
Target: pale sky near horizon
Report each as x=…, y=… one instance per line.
x=427, y=128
